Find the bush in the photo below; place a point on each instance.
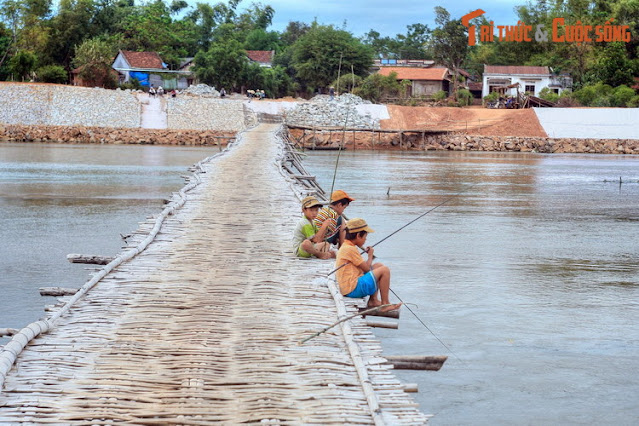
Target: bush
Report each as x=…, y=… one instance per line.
x=440, y=96
x=491, y=97
x=548, y=95
x=634, y=102
x=347, y=82
x=464, y=97
x=52, y=74
x=595, y=95
x=133, y=84
x=622, y=95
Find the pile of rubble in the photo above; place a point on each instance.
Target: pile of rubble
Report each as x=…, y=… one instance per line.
x=202, y=90
x=322, y=111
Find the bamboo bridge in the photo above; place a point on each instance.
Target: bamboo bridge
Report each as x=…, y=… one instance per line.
x=199, y=319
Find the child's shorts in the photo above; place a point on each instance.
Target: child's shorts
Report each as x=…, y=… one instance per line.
x=366, y=286
x=300, y=252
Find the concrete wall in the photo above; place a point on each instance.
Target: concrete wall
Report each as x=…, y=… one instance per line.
x=50, y=104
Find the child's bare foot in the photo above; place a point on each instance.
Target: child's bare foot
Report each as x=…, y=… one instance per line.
x=333, y=254
x=390, y=308
x=324, y=255
x=372, y=303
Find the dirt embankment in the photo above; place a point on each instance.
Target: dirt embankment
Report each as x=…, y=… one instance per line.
x=472, y=121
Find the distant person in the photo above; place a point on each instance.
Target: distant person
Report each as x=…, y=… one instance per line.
x=173, y=93
x=303, y=246
x=160, y=91
x=357, y=277
x=152, y=91
x=222, y=92
x=331, y=92
x=329, y=220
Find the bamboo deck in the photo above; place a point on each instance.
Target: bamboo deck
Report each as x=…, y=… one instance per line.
x=204, y=325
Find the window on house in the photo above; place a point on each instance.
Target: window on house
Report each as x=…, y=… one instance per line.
x=530, y=88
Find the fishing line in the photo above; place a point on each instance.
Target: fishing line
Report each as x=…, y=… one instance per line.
x=414, y=220
x=424, y=324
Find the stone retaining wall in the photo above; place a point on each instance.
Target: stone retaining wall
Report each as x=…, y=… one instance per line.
x=458, y=142
x=79, y=134
x=190, y=112
x=51, y=104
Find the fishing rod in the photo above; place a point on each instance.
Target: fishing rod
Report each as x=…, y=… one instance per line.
x=340, y=150
x=414, y=220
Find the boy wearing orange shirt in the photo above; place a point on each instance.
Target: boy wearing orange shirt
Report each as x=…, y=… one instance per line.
x=358, y=277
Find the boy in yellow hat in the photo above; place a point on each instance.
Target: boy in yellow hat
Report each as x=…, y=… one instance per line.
x=358, y=277
x=329, y=220
x=303, y=245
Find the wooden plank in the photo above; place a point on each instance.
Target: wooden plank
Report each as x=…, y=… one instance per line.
x=89, y=258
x=57, y=291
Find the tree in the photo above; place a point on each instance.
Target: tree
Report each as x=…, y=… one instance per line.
x=52, y=74
x=22, y=64
x=293, y=31
x=317, y=55
x=260, y=39
x=222, y=65
x=614, y=67
x=449, y=43
x=94, y=57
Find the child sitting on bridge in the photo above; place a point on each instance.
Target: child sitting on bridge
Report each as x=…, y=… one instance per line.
x=306, y=230
x=357, y=277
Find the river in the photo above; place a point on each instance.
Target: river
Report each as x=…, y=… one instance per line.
x=526, y=278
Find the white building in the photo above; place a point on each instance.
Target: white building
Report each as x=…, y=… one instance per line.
x=532, y=80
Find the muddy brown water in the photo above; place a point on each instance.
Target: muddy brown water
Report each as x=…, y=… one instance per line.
x=529, y=278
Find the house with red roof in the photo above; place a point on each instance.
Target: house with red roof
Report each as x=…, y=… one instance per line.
x=262, y=57
x=424, y=81
x=149, y=69
x=531, y=79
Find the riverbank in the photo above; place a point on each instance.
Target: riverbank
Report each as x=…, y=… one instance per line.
x=108, y=135
x=413, y=140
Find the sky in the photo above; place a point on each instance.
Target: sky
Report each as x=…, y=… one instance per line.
x=388, y=17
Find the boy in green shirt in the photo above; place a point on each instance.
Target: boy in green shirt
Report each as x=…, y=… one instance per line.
x=305, y=230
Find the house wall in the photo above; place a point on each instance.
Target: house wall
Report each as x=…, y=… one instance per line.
x=426, y=88
x=539, y=81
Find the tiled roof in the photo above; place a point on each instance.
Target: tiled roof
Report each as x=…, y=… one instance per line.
x=262, y=56
x=406, y=73
x=143, y=59
x=515, y=70
x=473, y=85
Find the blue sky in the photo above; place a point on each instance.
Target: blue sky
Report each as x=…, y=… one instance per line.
x=388, y=17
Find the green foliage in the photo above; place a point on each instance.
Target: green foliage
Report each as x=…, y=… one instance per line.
x=347, y=82
x=259, y=39
x=22, y=64
x=491, y=97
x=52, y=74
x=604, y=95
x=132, y=84
x=622, y=95
x=548, y=95
x=449, y=42
x=634, y=102
x=93, y=58
x=440, y=95
x=377, y=87
x=614, y=67
x=464, y=97
x=412, y=45
x=316, y=55
x=222, y=65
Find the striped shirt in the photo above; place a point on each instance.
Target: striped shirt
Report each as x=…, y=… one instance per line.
x=327, y=214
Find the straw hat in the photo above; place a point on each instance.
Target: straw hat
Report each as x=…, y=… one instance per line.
x=357, y=225
x=310, y=201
